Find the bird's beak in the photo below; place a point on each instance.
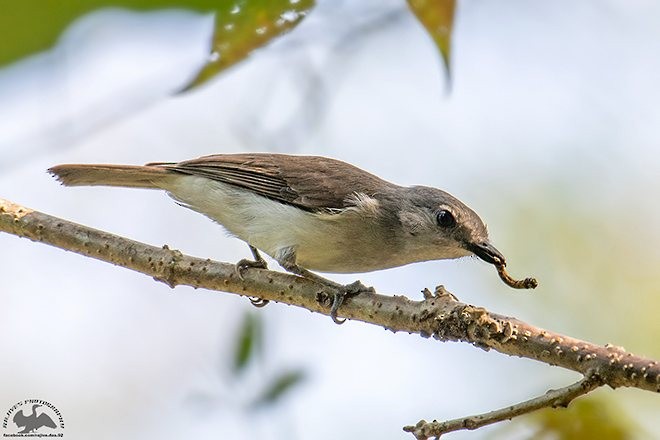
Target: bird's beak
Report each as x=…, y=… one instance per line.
x=487, y=252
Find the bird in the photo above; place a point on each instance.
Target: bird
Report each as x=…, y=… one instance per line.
x=32, y=422
x=311, y=213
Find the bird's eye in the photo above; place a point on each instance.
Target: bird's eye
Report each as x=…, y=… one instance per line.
x=445, y=219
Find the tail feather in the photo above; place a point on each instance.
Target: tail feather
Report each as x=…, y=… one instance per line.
x=111, y=175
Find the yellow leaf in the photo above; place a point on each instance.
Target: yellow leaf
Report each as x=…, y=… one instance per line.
x=437, y=17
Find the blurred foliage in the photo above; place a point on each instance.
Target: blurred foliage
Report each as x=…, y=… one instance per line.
x=587, y=418
x=437, y=16
x=279, y=387
x=31, y=26
x=603, y=277
x=248, y=342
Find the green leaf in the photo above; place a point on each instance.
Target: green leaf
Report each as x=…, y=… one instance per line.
x=242, y=26
x=437, y=16
x=248, y=341
x=31, y=26
x=279, y=387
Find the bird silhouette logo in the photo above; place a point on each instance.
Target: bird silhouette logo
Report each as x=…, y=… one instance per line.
x=33, y=421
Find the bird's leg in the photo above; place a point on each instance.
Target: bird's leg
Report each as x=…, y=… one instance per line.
x=245, y=264
x=258, y=263
x=340, y=291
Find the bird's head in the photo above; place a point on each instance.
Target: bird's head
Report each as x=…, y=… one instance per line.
x=443, y=227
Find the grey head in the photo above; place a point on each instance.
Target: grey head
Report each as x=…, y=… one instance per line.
x=436, y=225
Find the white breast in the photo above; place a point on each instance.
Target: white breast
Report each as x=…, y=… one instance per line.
x=265, y=224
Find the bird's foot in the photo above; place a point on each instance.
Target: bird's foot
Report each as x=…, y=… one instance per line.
x=340, y=294
x=245, y=264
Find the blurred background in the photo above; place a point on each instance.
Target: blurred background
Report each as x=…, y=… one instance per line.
x=550, y=131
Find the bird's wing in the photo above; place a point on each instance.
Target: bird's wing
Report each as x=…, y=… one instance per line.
x=20, y=419
x=312, y=183
x=45, y=420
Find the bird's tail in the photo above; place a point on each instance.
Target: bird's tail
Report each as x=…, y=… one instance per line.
x=111, y=175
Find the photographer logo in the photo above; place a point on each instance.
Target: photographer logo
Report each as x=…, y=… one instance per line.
x=33, y=418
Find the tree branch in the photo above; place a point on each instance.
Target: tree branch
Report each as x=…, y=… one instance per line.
x=552, y=398
x=439, y=315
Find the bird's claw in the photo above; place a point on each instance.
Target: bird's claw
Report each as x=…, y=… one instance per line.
x=258, y=302
x=337, y=301
x=347, y=291
x=246, y=264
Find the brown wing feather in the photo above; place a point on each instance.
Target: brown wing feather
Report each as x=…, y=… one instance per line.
x=309, y=182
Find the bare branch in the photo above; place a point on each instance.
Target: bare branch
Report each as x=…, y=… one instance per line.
x=551, y=399
x=439, y=315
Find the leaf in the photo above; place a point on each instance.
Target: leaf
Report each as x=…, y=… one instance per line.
x=244, y=25
x=279, y=387
x=31, y=26
x=247, y=342
x=437, y=16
